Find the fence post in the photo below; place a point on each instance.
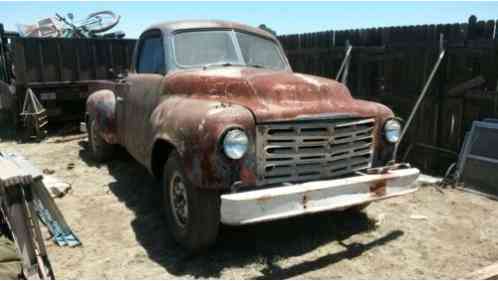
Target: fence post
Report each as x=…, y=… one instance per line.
x=496, y=76
x=3, y=62
x=471, y=28
x=420, y=98
x=299, y=54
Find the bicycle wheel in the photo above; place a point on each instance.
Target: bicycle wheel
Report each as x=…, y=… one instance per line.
x=101, y=21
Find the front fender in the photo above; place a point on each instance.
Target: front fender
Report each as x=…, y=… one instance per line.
x=195, y=127
x=101, y=106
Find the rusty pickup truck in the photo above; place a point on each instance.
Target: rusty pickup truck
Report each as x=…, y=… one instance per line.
x=215, y=112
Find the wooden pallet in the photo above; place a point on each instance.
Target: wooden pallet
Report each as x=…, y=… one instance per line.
x=34, y=117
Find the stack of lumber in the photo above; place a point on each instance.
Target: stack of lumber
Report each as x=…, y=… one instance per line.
x=24, y=199
x=16, y=170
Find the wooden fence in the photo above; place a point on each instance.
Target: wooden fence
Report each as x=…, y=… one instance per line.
x=390, y=65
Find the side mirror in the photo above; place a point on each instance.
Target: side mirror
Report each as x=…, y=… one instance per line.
x=123, y=74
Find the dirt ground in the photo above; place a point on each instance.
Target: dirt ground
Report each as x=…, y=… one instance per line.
x=115, y=209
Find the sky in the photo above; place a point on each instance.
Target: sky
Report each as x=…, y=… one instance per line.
x=283, y=17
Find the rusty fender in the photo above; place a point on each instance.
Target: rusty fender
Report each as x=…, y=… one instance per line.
x=195, y=127
x=101, y=105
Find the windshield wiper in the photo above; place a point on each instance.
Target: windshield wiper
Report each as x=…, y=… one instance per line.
x=256, y=65
x=222, y=64
x=225, y=64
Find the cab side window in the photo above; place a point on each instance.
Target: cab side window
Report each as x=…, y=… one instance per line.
x=151, y=56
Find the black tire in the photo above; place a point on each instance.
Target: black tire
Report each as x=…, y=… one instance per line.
x=200, y=228
x=359, y=208
x=5, y=104
x=101, y=151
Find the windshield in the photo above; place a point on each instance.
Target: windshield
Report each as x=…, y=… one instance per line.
x=258, y=51
x=216, y=47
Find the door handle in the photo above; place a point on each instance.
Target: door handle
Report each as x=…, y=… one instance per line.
x=119, y=99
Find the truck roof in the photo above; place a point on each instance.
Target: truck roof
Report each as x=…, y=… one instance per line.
x=173, y=26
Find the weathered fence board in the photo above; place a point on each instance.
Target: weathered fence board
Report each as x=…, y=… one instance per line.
x=391, y=65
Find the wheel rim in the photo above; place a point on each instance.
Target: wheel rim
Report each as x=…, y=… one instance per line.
x=93, y=136
x=178, y=200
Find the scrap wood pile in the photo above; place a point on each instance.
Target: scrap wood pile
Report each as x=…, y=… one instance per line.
x=23, y=197
x=475, y=169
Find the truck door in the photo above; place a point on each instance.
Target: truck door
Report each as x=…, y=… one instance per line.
x=143, y=93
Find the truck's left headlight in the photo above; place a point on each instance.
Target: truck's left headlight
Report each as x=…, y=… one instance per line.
x=235, y=144
x=392, y=130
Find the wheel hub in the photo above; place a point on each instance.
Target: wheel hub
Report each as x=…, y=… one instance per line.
x=93, y=136
x=178, y=199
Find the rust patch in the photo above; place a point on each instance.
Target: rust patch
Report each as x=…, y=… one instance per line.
x=305, y=201
x=247, y=174
x=378, y=188
x=192, y=109
x=264, y=199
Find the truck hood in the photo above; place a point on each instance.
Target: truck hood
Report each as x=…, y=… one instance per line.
x=273, y=95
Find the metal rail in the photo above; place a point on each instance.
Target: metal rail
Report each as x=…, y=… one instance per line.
x=442, y=53
x=342, y=74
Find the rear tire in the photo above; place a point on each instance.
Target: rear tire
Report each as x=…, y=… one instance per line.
x=6, y=102
x=101, y=150
x=192, y=214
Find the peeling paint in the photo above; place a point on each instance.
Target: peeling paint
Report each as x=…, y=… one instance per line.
x=304, y=201
x=310, y=79
x=191, y=109
x=378, y=188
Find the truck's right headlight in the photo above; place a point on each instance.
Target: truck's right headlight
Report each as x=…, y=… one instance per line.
x=235, y=144
x=392, y=130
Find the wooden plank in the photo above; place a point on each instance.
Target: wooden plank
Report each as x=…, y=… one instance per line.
x=486, y=273
x=11, y=175
x=16, y=170
x=469, y=84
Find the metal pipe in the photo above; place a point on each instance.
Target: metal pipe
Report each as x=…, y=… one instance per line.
x=420, y=98
x=344, y=61
x=345, y=72
x=493, y=36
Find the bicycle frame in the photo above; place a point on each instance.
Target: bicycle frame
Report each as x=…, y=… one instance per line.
x=79, y=30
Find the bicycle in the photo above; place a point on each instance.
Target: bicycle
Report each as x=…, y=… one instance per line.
x=90, y=27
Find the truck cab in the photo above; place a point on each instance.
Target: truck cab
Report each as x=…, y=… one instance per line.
x=215, y=112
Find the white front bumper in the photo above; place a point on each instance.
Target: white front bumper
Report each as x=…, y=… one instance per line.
x=317, y=196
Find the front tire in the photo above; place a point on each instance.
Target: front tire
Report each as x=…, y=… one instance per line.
x=192, y=214
x=101, y=150
x=358, y=208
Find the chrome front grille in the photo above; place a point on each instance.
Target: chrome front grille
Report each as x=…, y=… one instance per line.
x=313, y=150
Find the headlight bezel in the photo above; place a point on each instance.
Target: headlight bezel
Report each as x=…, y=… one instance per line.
x=224, y=139
x=386, y=131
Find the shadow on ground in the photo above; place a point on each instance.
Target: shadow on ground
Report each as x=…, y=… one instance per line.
x=8, y=132
x=237, y=246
